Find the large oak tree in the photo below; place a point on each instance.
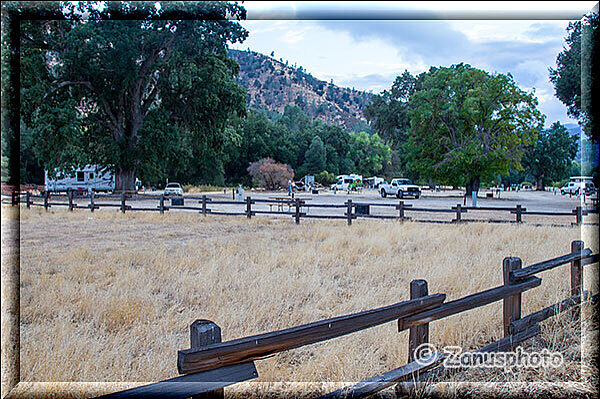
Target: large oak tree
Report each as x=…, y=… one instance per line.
x=468, y=125
x=146, y=96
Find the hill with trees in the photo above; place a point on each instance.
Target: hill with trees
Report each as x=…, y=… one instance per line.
x=273, y=84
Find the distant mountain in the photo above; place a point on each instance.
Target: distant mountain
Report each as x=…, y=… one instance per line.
x=273, y=84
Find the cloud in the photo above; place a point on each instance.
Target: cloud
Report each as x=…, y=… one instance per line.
x=435, y=40
x=439, y=43
x=546, y=30
x=292, y=37
x=375, y=82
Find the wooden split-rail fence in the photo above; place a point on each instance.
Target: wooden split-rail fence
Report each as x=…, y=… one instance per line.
x=297, y=208
x=209, y=364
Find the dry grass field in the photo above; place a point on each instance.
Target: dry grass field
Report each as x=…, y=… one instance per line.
x=109, y=297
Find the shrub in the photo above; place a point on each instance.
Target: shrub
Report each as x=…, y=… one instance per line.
x=325, y=178
x=270, y=174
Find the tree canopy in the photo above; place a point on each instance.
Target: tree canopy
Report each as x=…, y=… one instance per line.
x=567, y=78
x=468, y=125
x=148, y=97
x=550, y=158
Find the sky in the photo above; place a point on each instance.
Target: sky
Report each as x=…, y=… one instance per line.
x=340, y=41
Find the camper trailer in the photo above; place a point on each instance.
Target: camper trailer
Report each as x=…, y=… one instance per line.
x=88, y=178
x=347, y=182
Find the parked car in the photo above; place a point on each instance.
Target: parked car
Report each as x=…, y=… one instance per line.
x=590, y=188
x=576, y=188
x=400, y=188
x=173, y=189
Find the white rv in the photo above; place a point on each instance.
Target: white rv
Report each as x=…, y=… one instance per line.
x=93, y=177
x=347, y=182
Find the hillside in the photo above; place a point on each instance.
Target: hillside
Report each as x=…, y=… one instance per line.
x=272, y=85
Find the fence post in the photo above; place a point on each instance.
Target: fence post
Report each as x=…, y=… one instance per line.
x=401, y=210
x=161, y=204
x=576, y=274
x=297, y=211
x=418, y=334
x=518, y=213
x=122, y=202
x=203, y=333
x=92, y=205
x=233, y=193
x=70, y=198
x=349, y=212
x=27, y=199
x=458, y=213
x=578, y=215
x=13, y=198
x=248, y=207
x=511, y=306
x=576, y=271
x=46, y=199
x=204, y=205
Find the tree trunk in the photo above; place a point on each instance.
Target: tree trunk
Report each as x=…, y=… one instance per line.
x=473, y=185
x=540, y=184
x=125, y=180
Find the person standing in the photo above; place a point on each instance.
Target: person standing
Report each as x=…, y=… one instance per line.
x=289, y=187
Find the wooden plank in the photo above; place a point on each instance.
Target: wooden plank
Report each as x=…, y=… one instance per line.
x=297, y=216
x=418, y=335
x=203, y=333
x=549, y=264
x=488, y=208
x=577, y=247
x=349, y=212
x=261, y=345
x=546, y=213
x=468, y=302
x=511, y=306
x=375, y=384
x=541, y=315
x=323, y=205
x=191, y=384
x=501, y=345
x=588, y=260
x=388, y=204
x=507, y=343
x=378, y=216
x=326, y=216
x=433, y=210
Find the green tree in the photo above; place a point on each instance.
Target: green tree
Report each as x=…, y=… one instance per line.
x=388, y=111
x=468, y=125
x=370, y=153
x=315, y=157
x=549, y=159
x=567, y=77
x=148, y=96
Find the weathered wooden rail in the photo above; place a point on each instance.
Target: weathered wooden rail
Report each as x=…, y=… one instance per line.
x=209, y=364
x=298, y=208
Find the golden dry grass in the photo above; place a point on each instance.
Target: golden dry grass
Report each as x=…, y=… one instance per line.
x=109, y=297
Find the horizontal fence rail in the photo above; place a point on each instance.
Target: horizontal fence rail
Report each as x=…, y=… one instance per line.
x=258, y=346
x=469, y=302
x=297, y=208
x=550, y=264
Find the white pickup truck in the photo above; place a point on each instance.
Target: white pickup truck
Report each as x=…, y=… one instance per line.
x=400, y=188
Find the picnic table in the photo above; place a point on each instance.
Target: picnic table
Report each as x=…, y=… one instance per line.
x=289, y=201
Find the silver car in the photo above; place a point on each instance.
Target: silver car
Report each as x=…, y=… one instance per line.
x=173, y=189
